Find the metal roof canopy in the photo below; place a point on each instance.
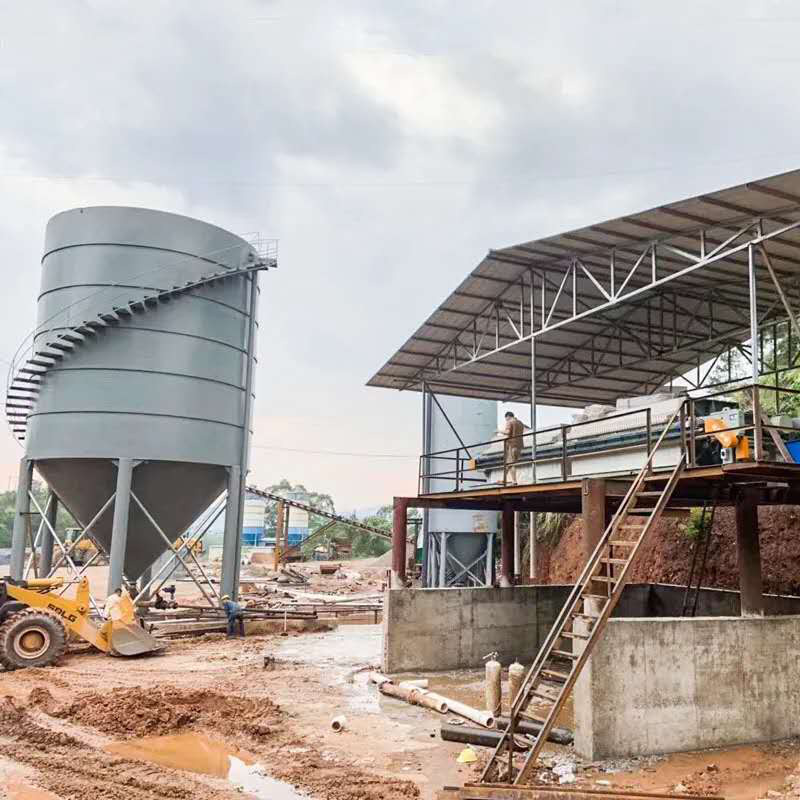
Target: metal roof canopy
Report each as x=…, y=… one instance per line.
x=619, y=308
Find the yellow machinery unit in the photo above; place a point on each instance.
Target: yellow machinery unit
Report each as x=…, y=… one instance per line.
x=35, y=621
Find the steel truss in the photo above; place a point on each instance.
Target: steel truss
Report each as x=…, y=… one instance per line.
x=656, y=308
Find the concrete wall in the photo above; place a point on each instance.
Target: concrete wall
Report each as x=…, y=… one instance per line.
x=437, y=629
x=667, y=685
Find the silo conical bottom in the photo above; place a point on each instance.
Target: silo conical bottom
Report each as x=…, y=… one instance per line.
x=175, y=494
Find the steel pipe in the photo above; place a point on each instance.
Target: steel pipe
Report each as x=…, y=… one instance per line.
x=477, y=736
x=556, y=735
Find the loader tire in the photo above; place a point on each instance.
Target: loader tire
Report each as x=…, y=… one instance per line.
x=31, y=638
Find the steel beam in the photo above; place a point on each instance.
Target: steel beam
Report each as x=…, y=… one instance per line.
x=119, y=529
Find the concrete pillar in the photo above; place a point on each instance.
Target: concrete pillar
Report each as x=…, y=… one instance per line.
x=399, y=536
x=119, y=527
x=232, y=538
x=21, y=519
x=46, y=559
x=517, y=548
x=593, y=504
x=507, y=549
x=748, y=553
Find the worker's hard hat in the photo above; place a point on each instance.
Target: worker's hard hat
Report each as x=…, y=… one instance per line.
x=225, y=597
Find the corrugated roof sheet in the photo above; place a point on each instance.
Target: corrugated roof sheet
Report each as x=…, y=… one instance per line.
x=708, y=303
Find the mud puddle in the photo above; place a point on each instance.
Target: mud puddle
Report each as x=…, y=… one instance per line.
x=198, y=753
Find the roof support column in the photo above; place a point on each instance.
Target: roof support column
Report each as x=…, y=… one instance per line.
x=755, y=360
x=533, y=405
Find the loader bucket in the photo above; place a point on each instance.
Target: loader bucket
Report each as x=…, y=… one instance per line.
x=131, y=640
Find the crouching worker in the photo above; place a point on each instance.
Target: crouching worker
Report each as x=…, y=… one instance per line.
x=233, y=611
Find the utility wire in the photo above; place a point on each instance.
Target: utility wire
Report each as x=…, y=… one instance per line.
x=330, y=452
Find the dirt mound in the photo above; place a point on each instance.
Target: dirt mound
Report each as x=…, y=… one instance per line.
x=126, y=713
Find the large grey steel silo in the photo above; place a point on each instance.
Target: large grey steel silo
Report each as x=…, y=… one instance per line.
x=138, y=382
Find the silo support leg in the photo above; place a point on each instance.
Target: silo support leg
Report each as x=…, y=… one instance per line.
x=232, y=543
x=119, y=529
x=21, y=516
x=46, y=564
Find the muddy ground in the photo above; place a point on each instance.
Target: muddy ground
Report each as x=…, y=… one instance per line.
x=56, y=722
x=61, y=728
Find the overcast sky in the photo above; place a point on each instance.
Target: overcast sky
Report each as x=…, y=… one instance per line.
x=387, y=145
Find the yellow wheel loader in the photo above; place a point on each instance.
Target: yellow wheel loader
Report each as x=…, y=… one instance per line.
x=35, y=622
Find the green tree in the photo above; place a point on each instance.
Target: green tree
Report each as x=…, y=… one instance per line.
x=8, y=502
x=285, y=488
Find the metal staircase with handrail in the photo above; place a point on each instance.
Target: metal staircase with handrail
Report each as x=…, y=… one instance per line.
x=24, y=381
x=583, y=617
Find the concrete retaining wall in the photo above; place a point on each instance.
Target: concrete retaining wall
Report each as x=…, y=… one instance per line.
x=438, y=629
x=668, y=685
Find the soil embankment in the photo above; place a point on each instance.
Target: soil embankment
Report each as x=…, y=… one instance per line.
x=669, y=556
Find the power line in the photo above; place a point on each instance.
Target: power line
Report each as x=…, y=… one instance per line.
x=330, y=452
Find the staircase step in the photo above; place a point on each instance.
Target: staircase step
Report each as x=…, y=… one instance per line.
x=62, y=344
x=32, y=370
x=614, y=560
x=649, y=494
x=533, y=717
x=41, y=361
x=19, y=405
x=109, y=316
x=603, y=579
x=546, y=697
x=574, y=636
x=73, y=336
x=86, y=329
x=621, y=543
x=559, y=676
x=564, y=654
x=122, y=311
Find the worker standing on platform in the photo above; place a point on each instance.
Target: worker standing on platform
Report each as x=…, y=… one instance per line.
x=233, y=611
x=513, y=431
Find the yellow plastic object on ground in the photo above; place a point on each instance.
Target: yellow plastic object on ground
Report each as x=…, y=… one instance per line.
x=35, y=621
x=467, y=756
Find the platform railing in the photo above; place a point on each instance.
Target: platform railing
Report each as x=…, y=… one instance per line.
x=457, y=469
